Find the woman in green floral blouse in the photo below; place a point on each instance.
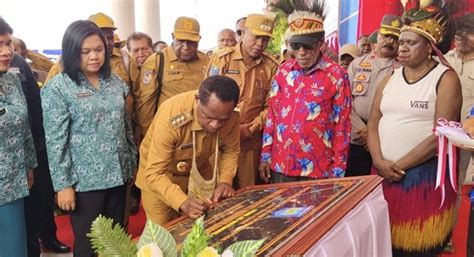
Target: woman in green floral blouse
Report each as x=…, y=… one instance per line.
x=90, y=146
x=17, y=153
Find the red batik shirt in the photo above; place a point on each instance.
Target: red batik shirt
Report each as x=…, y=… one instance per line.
x=307, y=132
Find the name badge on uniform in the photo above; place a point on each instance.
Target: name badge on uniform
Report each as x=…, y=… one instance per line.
x=233, y=72
x=186, y=146
x=15, y=70
x=83, y=94
x=2, y=111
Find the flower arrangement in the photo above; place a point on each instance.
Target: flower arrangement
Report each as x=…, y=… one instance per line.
x=111, y=240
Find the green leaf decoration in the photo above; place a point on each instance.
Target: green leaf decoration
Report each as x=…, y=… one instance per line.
x=108, y=241
x=246, y=248
x=196, y=240
x=154, y=233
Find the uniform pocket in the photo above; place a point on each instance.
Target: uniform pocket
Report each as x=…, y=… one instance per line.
x=172, y=76
x=182, y=161
x=360, y=84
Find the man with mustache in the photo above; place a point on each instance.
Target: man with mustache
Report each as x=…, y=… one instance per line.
x=252, y=69
x=365, y=74
x=178, y=69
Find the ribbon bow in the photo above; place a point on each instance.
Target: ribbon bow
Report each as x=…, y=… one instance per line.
x=446, y=147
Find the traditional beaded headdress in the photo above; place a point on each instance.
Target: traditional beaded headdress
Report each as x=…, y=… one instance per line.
x=426, y=18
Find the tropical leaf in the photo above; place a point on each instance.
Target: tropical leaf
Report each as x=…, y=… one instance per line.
x=154, y=233
x=246, y=248
x=108, y=241
x=196, y=240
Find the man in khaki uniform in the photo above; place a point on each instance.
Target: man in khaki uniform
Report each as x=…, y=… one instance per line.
x=193, y=143
x=40, y=64
x=365, y=74
x=252, y=69
x=461, y=59
x=183, y=70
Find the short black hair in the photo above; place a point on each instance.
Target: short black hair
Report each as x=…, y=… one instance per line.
x=4, y=27
x=138, y=36
x=158, y=42
x=22, y=44
x=73, y=38
x=225, y=89
x=243, y=18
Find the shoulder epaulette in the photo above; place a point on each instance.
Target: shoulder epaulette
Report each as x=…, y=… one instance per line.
x=181, y=119
x=271, y=57
x=225, y=51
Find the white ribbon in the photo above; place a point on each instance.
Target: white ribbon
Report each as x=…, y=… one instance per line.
x=446, y=149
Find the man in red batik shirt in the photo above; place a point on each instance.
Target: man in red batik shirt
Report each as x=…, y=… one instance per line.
x=307, y=132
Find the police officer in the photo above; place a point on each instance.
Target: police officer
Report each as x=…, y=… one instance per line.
x=188, y=158
x=365, y=74
x=182, y=70
x=253, y=69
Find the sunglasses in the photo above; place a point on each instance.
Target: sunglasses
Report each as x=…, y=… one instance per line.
x=297, y=46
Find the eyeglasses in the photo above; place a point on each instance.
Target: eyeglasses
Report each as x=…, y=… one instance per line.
x=239, y=32
x=297, y=46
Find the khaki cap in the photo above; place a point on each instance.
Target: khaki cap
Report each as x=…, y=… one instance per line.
x=260, y=25
x=391, y=25
x=186, y=28
x=351, y=50
x=102, y=21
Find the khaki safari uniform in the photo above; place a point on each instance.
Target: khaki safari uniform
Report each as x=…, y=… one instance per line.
x=365, y=74
x=254, y=83
x=39, y=61
x=465, y=71
x=168, y=151
x=178, y=77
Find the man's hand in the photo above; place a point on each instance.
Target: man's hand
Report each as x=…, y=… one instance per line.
x=194, y=208
x=389, y=170
x=67, y=199
x=245, y=131
x=264, y=170
x=362, y=136
x=30, y=178
x=222, y=191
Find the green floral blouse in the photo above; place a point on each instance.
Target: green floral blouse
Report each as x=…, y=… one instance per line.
x=88, y=134
x=17, y=149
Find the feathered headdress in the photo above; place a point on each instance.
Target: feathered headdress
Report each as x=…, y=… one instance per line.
x=427, y=18
x=430, y=19
x=304, y=17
